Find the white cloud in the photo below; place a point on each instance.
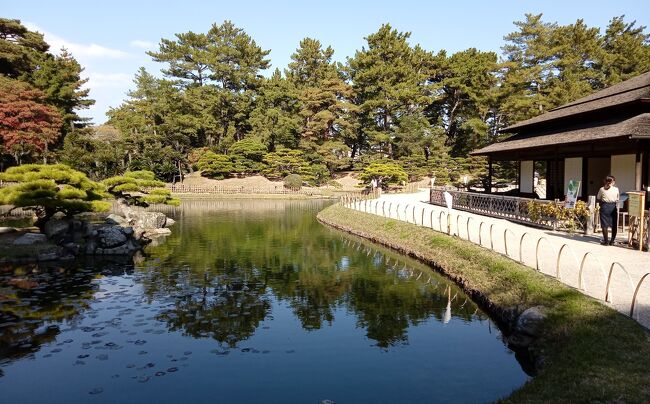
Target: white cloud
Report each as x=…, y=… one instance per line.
x=79, y=51
x=142, y=44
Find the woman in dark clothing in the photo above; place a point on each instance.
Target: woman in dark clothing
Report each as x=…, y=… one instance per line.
x=608, y=197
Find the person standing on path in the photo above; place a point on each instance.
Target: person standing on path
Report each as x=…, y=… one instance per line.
x=608, y=197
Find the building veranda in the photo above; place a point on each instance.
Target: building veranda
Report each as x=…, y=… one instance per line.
x=605, y=133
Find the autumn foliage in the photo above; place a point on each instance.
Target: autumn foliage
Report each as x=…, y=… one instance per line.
x=27, y=126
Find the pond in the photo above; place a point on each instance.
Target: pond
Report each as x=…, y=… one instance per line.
x=247, y=301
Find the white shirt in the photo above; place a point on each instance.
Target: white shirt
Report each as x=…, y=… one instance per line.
x=608, y=195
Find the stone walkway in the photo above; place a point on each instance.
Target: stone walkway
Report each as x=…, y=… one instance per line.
x=536, y=248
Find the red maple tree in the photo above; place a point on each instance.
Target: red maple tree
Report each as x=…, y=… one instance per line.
x=27, y=126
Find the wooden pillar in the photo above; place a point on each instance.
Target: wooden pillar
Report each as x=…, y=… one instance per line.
x=490, y=173
x=585, y=178
x=519, y=175
x=638, y=170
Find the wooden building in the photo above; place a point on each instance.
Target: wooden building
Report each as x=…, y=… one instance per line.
x=607, y=132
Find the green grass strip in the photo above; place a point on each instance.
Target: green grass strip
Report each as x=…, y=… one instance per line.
x=588, y=352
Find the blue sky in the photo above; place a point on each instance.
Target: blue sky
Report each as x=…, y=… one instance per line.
x=110, y=38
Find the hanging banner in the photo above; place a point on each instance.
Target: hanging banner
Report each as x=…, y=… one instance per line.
x=572, y=194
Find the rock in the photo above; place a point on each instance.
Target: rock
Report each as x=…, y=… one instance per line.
x=58, y=215
x=148, y=220
x=109, y=237
x=30, y=239
x=73, y=248
x=530, y=321
x=116, y=219
x=48, y=256
x=56, y=229
x=158, y=232
x=4, y=230
x=77, y=224
x=170, y=222
x=527, y=327
x=90, y=247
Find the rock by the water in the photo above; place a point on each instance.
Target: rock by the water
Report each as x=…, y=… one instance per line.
x=56, y=229
x=116, y=219
x=148, y=220
x=170, y=222
x=158, y=232
x=4, y=230
x=30, y=239
x=73, y=248
x=49, y=256
x=110, y=237
x=527, y=327
x=530, y=321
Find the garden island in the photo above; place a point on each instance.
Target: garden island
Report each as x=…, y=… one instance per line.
x=400, y=225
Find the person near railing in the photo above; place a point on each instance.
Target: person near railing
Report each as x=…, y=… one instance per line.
x=608, y=197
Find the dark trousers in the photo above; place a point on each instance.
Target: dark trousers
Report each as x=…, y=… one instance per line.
x=608, y=218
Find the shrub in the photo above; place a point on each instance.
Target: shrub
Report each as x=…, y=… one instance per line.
x=139, y=188
x=283, y=162
x=386, y=173
x=49, y=189
x=217, y=166
x=293, y=182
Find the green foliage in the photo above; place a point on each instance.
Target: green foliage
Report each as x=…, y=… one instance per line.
x=247, y=155
x=48, y=189
x=217, y=166
x=139, y=188
x=550, y=213
x=284, y=162
x=385, y=172
x=393, y=99
x=293, y=182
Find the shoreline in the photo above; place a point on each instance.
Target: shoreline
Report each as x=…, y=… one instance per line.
x=251, y=196
x=585, y=352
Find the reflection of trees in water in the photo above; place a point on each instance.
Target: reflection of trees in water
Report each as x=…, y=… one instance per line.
x=227, y=306
x=36, y=298
x=230, y=260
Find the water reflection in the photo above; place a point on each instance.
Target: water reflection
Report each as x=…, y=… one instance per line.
x=239, y=278
x=236, y=254
x=36, y=298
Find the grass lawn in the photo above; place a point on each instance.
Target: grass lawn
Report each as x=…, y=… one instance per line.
x=590, y=352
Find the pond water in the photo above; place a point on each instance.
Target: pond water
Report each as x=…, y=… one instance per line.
x=247, y=301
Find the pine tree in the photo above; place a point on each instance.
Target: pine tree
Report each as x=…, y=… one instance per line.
x=626, y=51
x=389, y=79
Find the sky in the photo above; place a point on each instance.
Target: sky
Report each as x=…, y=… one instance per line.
x=110, y=38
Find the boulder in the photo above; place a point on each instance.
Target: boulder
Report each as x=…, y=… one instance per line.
x=158, y=232
x=30, y=239
x=49, y=256
x=170, y=222
x=530, y=321
x=110, y=237
x=148, y=220
x=116, y=219
x=527, y=327
x=56, y=229
x=4, y=230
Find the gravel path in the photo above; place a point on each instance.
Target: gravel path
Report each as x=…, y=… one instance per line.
x=536, y=248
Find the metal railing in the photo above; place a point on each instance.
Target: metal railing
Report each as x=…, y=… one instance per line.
x=507, y=207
